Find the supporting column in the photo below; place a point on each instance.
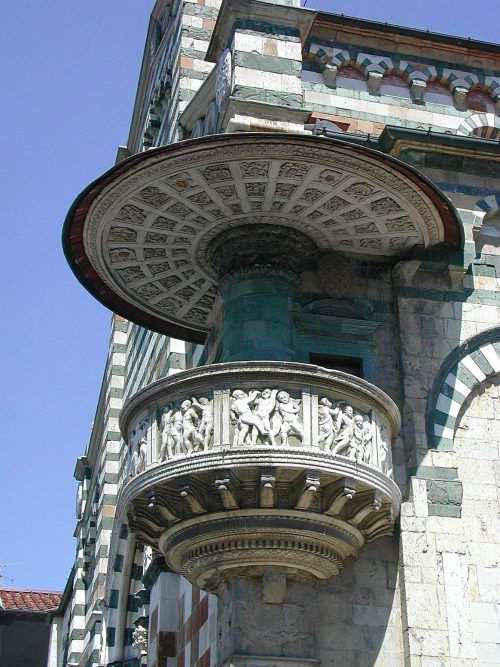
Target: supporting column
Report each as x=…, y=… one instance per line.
x=258, y=314
x=258, y=267
x=258, y=630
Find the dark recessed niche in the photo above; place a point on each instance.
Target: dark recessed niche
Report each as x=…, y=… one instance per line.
x=352, y=365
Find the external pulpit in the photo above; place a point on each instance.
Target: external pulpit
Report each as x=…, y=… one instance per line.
x=239, y=468
x=255, y=466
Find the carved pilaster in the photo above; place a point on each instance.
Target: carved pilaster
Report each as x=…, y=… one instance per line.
x=261, y=248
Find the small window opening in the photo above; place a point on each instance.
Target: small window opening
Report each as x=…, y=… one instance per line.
x=352, y=365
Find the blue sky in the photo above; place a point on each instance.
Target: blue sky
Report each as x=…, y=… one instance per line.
x=68, y=73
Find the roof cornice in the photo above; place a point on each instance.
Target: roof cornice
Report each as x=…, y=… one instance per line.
x=410, y=41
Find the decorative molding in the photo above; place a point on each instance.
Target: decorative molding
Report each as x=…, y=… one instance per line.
x=269, y=661
x=486, y=125
x=348, y=388
x=374, y=67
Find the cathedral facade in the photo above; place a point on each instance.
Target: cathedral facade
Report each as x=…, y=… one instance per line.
x=295, y=455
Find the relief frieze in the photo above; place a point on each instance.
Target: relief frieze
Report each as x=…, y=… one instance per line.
x=266, y=418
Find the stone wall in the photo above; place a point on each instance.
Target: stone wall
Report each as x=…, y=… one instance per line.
x=354, y=619
x=450, y=564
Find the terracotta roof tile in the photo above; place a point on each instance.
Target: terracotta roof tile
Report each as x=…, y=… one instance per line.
x=27, y=600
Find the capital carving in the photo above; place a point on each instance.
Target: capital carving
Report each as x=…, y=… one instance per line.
x=261, y=245
x=330, y=74
x=459, y=96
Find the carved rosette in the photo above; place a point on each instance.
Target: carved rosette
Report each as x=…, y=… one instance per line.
x=262, y=246
x=238, y=468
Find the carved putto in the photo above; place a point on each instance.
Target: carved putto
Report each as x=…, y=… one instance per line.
x=186, y=428
x=138, y=448
x=140, y=640
x=343, y=432
x=263, y=416
x=328, y=427
x=288, y=410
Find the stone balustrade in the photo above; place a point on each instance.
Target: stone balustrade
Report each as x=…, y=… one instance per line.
x=259, y=451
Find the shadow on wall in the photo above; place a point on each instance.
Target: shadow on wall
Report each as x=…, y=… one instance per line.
x=363, y=605
x=349, y=620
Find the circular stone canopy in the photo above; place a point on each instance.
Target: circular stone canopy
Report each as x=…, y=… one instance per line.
x=137, y=237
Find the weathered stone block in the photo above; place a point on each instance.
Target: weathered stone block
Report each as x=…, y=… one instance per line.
x=444, y=492
x=371, y=615
x=273, y=588
x=424, y=609
x=428, y=642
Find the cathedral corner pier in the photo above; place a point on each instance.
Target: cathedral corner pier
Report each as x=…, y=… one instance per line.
x=267, y=469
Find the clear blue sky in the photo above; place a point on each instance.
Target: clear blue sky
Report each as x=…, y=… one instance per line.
x=69, y=72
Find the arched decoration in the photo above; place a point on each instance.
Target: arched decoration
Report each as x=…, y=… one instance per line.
x=326, y=56
x=350, y=76
x=438, y=91
x=486, y=132
x=395, y=84
x=470, y=364
x=480, y=124
x=369, y=63
x=335, y=63
x=479, y=100
x=417, y=75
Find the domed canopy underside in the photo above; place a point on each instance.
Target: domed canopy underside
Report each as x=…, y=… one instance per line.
x=137, y=238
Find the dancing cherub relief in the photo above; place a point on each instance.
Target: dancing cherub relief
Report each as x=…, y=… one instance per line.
x=186, y=428
x=328, y=427
x=288, y=409
x=206, y=426
x=247, y=421
x=263, y=416
x=138, y=448
x=343, y=432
